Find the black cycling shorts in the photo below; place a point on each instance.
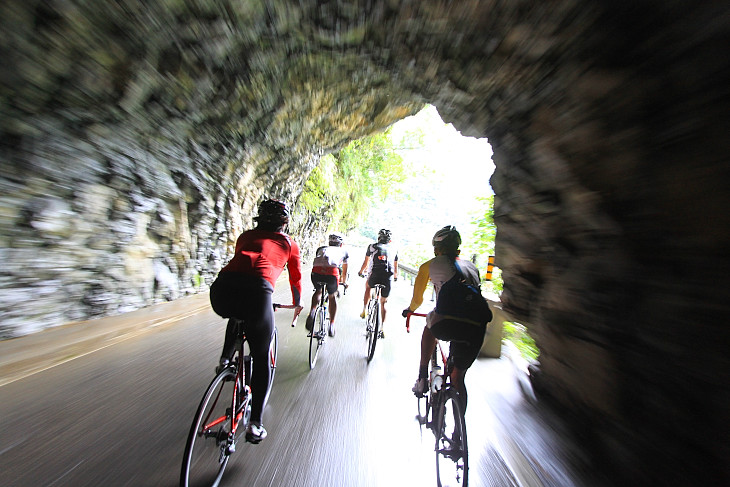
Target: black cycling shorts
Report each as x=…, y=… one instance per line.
x=331, y=282
x=380, y=278
x=466, y=340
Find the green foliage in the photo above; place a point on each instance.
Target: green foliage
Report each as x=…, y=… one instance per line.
x=479, y=240
x=344, y=185
x=197, y=280
x=518, y=335
x=416, y=253
x=483, y=228
x=320, y=185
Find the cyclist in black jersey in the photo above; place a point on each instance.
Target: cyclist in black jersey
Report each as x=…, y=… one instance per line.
x=381, y=265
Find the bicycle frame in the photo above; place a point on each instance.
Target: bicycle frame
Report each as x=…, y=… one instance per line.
x=451, y=447
x=373, y=319
x=213, y=417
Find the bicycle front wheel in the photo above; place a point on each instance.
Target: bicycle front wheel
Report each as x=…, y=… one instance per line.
x=208, y=447
x=373, y=328
x=452, y=454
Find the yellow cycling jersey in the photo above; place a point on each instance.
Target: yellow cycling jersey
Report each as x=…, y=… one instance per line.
x=439, y=270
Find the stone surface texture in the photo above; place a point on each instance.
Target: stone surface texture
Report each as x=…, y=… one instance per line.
x=136, y=139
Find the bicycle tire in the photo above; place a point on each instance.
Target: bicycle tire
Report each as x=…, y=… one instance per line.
x=206, y=449
x=315, y=341
x=373, y=328
x=273, y=352
x=452, y=453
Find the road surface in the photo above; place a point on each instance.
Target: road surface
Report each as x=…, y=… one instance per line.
x=119, y=416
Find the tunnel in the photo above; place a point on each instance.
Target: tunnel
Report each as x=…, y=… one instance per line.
x=138, y=137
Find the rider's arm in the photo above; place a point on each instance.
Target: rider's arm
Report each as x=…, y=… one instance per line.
x=295, y=274
x=395, y=268
x=364, y=264
x=419, y=286
x=343, y=277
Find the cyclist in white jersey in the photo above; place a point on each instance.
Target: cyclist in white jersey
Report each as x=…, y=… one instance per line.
x=329, y=268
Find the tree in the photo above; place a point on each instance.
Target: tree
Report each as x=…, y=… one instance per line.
x=344, y=185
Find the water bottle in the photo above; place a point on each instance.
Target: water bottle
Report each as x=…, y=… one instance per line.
x=436, y=379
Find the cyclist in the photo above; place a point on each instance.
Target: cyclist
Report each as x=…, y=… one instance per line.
x=243, y=291
x=465, y=336
x=381, y=262
x=329, y=268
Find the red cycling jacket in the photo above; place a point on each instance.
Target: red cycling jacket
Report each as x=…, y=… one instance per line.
x=263, y=253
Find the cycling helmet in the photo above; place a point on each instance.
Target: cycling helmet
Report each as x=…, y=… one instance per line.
x=384, y=236
x=447, y=238
x=336, y=239
x=273, y=211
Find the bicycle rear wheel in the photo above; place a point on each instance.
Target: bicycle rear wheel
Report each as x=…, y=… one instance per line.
x=318, y=332
x=373, y=327
x=208, y=448
x=452, y=454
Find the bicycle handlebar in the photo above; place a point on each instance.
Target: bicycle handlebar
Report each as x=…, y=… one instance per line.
x=408, y=320
x=298, y=309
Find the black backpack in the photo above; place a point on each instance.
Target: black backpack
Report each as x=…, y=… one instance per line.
x=461, y=300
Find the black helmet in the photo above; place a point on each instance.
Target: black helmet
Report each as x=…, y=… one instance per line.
x=336, y=239
x=384, y=236
x=447, y=238
x=273, y=211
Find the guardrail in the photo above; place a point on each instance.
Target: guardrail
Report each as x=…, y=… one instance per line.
x=409, y=271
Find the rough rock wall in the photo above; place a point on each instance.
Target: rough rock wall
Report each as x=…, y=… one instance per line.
x=137, y=140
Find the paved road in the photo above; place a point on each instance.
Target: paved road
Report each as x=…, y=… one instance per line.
x=120, y=416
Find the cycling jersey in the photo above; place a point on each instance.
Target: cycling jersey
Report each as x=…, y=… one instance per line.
x=466, y=338
x=382, y=259
x=328, y=260
x=263, y=253
x=439, y=270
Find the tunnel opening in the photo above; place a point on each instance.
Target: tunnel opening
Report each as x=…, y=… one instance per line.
x=607, y=124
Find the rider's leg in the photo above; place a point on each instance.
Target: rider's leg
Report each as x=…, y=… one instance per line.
x=259, y=331
x=384, y=293
x=428, y=344
x=313, y=308
x=315, y=301
x=457, y=379
x=229, y=342
x=365, y=299
x=333, y=307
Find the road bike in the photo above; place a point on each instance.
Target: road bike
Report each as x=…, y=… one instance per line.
x=374, y=323
x=223, y=414
x=322, y=327
x=441, y=410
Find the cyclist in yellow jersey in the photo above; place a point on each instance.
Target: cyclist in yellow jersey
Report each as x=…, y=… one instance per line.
x=465, y=336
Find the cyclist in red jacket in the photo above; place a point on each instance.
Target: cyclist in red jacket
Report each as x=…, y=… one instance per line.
x=243, y=291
